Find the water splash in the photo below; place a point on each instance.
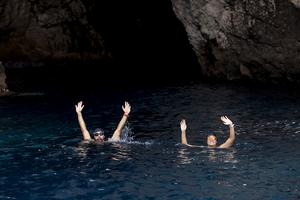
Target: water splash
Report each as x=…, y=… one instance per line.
x=127, y=137
x=127, y=134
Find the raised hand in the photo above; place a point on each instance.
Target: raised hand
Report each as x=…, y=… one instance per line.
x=126, y=108
x=79, y=107
x=85, y=133
x=183, y=125
x=226, y=121
x=229, y=142
x=117, y=134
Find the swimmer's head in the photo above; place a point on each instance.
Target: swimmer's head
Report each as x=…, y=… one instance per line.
x=99, y=134
x=212, y=140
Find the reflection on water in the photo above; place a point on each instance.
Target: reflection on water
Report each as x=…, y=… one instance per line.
x=42, y=156
x=187, y=155
x=212, y=155
x=122, y=152
x=82, y=150
x=224, y=155
x=184, y=156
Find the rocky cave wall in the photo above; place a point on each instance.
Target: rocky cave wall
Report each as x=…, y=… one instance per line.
x=35, y=30
x=231, y=39
x=90, y=40
x=244, y=39
x=38, y=34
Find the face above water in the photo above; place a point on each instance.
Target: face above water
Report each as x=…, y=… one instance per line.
x=99, y=137
x=211, y=140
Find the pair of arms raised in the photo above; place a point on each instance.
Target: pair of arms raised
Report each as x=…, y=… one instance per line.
x=229, y=142
x=117, y=133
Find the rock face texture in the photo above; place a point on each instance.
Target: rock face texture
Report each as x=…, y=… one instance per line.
x=55, y=43
x=33, y=30
x=244, y=39
x=232, y=39
x=3, y=85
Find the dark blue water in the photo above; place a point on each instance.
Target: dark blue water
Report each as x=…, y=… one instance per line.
x=41, y=156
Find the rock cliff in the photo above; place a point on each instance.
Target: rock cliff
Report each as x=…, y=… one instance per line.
x=244, y=39
x=35, y=30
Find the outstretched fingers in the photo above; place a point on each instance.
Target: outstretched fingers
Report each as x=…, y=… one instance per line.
x=226, y=120
x=79, y=106
x=126, y=107
x=183, y=125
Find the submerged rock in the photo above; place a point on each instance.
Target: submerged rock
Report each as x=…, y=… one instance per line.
x=3, y=85
x=4, y=91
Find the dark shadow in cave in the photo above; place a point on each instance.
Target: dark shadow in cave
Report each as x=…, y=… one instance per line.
x=147, y=42
x=146, y=37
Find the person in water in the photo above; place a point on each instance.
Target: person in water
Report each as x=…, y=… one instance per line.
x=98, y=133
x=211, y=139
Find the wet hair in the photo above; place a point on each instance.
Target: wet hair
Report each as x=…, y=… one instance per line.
x=211, y=134
x=98, y=131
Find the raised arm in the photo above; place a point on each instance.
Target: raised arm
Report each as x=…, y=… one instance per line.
x=183, y=128
x=117, y=134
x=229, y=142
x=84, y=131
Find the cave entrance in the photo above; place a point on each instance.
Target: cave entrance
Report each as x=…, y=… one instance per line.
x=147, y=37
x=146, y=41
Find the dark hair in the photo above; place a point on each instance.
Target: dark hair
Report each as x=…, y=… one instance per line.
x=98, y=131
x=211, y=134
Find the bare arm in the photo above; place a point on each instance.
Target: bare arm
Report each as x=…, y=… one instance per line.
x=84, y=131
x=183, y=128
x=117, y=134
x=229, y=142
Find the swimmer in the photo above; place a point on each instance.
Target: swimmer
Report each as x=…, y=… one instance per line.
x=211, y=139
x=99, y=133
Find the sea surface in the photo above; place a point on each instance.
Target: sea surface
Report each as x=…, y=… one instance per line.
x=42, y=155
